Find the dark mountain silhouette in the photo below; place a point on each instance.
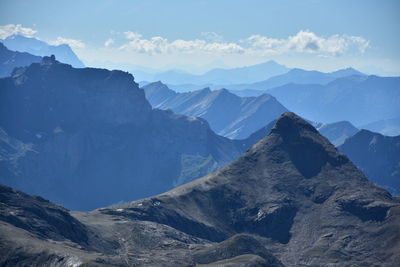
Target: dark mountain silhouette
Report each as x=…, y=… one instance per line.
x=291, y=200
x=72, y=135
x=228, y=115
x=377, y=156
x=40, y=48
x=357, y=99
x=12, y=59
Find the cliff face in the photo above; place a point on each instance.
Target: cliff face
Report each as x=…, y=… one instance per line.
x=73, y=135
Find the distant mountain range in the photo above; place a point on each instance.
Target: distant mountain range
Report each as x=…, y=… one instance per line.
x=248, y=74
x=71, y=135
x=254, y=88
x=377, y=156
x=389, y=127
x=291, y=200
x=358, y=99
x=297, y=76
x=228, y=115
x=40, y=48
x=12, y=59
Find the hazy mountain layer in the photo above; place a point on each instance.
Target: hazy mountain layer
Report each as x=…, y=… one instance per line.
x=291, y=200
x=357, y=99
x=39, y=48
x=377, y=156
x=389, y=127
x=247, y=74
x=12, y=59
x=228, y=115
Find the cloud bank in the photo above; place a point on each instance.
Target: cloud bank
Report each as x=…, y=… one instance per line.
x=303, y=42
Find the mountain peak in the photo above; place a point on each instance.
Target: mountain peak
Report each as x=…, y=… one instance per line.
x=289, y=122
x=294, y=139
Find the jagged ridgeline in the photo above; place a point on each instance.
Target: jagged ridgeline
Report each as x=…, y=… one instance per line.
x=86, y=138
x=291, y=200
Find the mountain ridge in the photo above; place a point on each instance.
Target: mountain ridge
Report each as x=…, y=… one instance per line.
x=245, y=116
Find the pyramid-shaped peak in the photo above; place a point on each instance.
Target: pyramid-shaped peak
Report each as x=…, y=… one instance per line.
x=289, y=122
x=294, y=139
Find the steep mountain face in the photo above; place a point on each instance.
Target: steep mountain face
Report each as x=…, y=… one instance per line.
x=389, y=127
x=228, y=115
x=337, y=132
x=39, y=48
x=358, y=99
x=291, y=200
x=377, y=156
x=12, y=59
x=72, y=134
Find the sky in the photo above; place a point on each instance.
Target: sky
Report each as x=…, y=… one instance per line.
x=196, y=36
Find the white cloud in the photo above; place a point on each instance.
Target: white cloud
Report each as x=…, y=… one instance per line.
x=109, y=42
x=11, y=29
x=132, y=35
x=71, y=42
x=158, y=44
x=305, y=42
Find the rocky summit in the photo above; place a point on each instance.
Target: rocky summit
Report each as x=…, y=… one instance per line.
x=291, y=200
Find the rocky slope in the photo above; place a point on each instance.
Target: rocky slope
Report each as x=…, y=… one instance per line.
x=291, y=200
x=377, y=156
x=9, y=60
x=228, y=115
x=71, y=135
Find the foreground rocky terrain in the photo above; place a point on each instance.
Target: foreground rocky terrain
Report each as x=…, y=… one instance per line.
x=291, y=200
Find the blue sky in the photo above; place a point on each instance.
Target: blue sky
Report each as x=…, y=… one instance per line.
x=198, y=35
